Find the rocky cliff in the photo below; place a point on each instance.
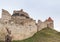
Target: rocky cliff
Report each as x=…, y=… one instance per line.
x=20, y=25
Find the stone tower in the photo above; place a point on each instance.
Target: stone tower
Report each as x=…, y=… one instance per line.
x=47, y=23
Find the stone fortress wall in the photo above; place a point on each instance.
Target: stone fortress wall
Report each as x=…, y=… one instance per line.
x=47, y=23
x=21, y=25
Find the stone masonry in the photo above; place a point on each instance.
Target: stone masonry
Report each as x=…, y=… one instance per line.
x=21, y=25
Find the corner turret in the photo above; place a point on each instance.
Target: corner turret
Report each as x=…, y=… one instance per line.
x=49, y=22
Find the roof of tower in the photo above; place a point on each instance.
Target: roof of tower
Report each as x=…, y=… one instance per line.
x=49, y=19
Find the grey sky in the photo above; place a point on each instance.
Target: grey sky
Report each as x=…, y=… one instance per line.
x=37, y=9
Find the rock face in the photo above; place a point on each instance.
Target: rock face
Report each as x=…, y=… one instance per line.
x=6, y=16
x=20, y=25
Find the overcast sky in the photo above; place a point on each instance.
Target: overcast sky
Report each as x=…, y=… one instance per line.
x=37, y=9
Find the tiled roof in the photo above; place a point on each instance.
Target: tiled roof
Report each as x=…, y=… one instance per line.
x=49, y=19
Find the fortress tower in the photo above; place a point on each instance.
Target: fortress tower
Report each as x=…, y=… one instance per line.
x=47, y=23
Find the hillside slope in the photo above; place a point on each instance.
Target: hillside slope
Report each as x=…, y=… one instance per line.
x=45, y=35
